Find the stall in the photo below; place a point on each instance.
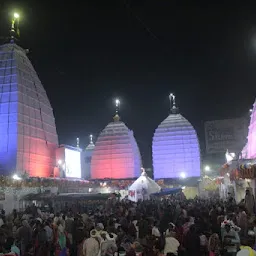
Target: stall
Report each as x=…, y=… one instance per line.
x=142, y=188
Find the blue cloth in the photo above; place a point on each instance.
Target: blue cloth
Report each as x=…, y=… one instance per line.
x=63, y=252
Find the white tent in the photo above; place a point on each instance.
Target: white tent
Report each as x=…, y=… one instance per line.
x=142, y=188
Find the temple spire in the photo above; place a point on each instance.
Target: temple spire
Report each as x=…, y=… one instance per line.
x=91, y=139
x=174, y=109
x=117, y=117
x=15, y=31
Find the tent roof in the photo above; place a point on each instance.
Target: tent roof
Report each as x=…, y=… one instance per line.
x=145, y=182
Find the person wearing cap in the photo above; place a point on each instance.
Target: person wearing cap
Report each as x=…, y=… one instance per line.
x=91, y=246
x=108, y=244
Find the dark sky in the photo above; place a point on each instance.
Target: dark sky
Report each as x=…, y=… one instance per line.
x=139, y=50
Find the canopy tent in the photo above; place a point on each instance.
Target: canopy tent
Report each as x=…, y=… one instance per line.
x=142, y=188
x=168, y=191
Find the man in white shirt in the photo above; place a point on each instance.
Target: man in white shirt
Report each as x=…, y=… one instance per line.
x=155, y=230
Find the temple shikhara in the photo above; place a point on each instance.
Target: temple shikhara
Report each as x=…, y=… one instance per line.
x=249, y=151
x=175, y=147
x=116, y=154
x=27, y=125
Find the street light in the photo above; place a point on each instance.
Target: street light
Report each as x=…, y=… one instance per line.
x=207, y=168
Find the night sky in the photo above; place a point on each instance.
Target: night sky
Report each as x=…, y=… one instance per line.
x=139, y=51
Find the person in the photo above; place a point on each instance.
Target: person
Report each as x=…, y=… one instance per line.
x=246, y=248
x=192, y=242
x=61, y=245
x=214, y=245
x=249, y=202
x=242, y=221
x=171, y=230
x=24, y=234
x=11, y=247
x=91, y=246
x=171, y=245
x=108, y=244
x=230, y=240
x=155, y=230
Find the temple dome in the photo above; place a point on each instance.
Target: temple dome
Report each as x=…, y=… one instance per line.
x=175, y=148
x=27, y=125
x=116, y=154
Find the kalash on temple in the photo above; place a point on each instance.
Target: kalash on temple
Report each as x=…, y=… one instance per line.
x=238, y=174
x=34, y=167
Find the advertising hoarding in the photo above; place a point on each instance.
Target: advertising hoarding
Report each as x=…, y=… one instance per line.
x=72, y=163
x=221, y=135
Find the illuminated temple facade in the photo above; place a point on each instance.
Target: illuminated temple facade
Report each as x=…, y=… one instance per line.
x=175, y=147
x=27, y=125
x=249, y=151
x=116, y=154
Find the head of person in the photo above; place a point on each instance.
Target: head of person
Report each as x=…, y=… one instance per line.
x=227, y=227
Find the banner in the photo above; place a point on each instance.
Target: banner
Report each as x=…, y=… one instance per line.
x=221, y=135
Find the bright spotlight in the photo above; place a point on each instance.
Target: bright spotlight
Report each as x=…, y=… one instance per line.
x=183, y=175
x=207, y=168
x=117, y=102
x=16, y=177
x=16, y=15
x=59, y=162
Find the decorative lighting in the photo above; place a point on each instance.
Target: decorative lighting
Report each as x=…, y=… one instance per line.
x=250, y=110
x=59, y=162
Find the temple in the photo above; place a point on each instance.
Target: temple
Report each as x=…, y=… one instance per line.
x=249, y=151
x=175, y=147
x=27, y=125
x=116, y=154
x=88, y=159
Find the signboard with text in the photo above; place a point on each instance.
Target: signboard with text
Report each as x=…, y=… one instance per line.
x=221, y=135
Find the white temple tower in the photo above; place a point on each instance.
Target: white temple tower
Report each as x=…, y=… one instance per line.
x=116, y=154
x=88, y=158
x=175, y=147
x=27, y=125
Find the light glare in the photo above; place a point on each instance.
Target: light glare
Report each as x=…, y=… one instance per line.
x=183, y=175
x=16, y=15
x=16, y=177
x=207, y=168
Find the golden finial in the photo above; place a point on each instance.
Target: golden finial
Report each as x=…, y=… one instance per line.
x=116, y=118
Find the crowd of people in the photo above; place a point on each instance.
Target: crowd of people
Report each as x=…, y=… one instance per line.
x=172, y=226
